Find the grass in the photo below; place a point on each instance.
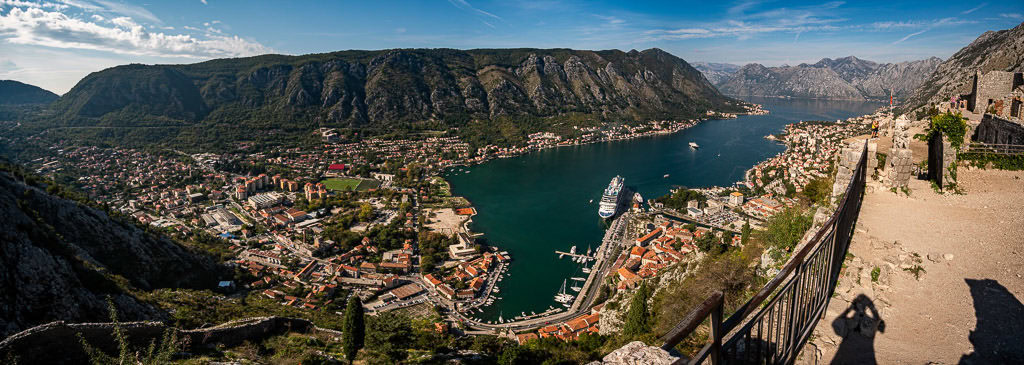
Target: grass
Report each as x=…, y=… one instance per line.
x=917, y=270
x=348, y=184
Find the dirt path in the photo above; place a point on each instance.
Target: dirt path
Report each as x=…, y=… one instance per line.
x=965, y=307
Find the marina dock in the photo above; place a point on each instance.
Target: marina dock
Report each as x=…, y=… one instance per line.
x=582, y=302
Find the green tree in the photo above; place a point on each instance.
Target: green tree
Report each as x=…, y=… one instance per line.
x=638, y=318
x=365, y=212
x=818, y=190
x=389, y=334
x=354, y=328
x=785, y=229
x=745, y=233
x=952, y=126
x=512, y=355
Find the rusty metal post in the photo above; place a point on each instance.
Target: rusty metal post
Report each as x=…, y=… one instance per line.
x=716, y=334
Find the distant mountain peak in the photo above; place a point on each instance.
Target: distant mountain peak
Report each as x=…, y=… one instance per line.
x=991, y=51
x=841, y=78
x=16, y=92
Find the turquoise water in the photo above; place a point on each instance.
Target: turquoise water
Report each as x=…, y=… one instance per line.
x=537, y=203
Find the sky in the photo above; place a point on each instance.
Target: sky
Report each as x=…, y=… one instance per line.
x=54, y=43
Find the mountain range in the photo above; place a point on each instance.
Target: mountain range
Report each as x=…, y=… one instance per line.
x=14, y=92
x=716, y=73
x=842, y=78
x=387, y=89
x=992, y=51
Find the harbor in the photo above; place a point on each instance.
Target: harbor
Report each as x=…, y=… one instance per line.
x=581, y=302
x=535, y=204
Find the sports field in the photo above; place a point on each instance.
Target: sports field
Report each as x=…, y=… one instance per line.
x=348, y=183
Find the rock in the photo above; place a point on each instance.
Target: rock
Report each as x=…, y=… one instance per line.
x=948, y=257
x=638, y=353
x=934, y=257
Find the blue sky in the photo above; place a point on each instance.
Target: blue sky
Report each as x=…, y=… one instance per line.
x=54, y=43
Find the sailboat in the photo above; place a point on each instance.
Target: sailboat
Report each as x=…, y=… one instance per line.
x=562, y=296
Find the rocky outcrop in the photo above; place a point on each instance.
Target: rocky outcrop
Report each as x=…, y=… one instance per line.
x=637, y=353
x=58, y=342
x=993, y=51
x=842, y=78
x=60, y=260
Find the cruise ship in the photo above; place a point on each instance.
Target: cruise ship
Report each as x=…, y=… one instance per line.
x=610, y=199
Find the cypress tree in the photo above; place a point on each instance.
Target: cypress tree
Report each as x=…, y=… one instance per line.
x=637, y=318
x=354, y=328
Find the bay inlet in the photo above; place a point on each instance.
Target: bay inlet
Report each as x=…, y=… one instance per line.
x=534, y=204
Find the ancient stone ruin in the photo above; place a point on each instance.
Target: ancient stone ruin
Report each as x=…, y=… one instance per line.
x=900, y=162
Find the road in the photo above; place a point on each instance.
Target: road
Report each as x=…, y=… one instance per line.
x=684, y=217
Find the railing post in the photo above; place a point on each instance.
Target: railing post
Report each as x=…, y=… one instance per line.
x=716, y=334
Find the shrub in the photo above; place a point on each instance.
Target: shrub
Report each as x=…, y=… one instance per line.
x=785, y=229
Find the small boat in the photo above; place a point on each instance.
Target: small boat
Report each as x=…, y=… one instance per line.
x=576, y=288
x=693, y=145
x=579, y=279
x=665, y=177
x=591, y=201
x=586, y=270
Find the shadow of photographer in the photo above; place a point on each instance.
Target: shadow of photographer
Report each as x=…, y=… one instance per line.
x=857, y=326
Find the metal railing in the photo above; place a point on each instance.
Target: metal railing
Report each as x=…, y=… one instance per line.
x=995, y=149
x=774, y=325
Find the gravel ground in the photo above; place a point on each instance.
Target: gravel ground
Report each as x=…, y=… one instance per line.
x=966, y=305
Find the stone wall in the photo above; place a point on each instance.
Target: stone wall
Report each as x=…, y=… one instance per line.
x=900, y=161
x=992, y=85
x=58, y=342
x=849, y=156
x=995, y=130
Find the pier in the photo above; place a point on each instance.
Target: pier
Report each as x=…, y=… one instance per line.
x=573, y=255
x=584, y=300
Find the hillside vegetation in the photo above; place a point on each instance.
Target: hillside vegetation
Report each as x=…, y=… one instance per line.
x=274, y=97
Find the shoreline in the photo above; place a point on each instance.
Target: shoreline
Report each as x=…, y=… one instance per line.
x=682, y=126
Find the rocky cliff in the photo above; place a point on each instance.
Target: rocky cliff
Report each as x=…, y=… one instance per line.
x=60, y=260
x=993, y=51
x=716, y=73
x=390, y=88
x=842, y=78
x=13, y=92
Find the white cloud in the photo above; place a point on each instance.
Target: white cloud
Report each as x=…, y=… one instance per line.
x=911, y=35
x=36, y=26
x=204, y=2
x=8, y=65
x=1014, y=16
x=32, y=4
x=464, y=5
x=974, y=9
x=944, y=22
